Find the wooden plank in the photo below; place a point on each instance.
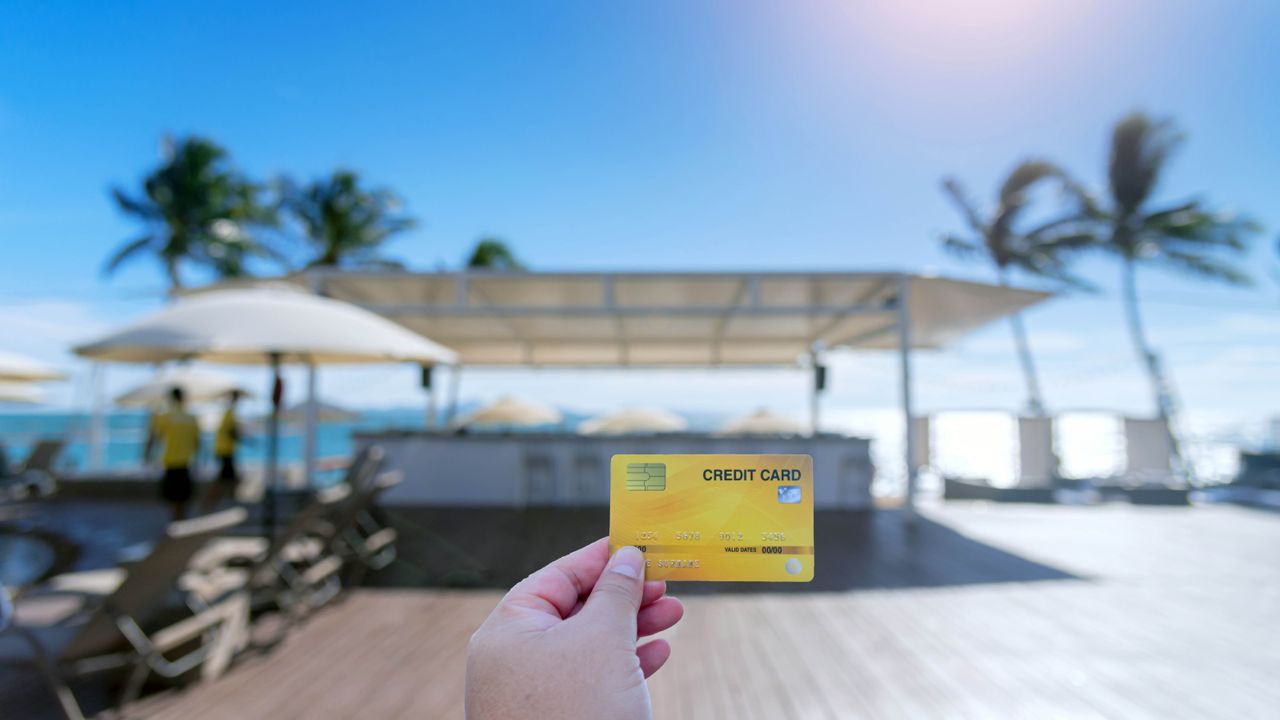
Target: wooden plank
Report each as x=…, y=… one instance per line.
x=986, y=611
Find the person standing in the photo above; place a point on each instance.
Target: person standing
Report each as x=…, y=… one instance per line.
x=179, y=437
x=225, y=443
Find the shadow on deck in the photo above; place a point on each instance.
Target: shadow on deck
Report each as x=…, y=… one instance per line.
x=495, y=548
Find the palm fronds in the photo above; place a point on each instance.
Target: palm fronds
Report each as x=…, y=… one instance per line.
x=493, y=254
x=345, y=224
x=187, y=204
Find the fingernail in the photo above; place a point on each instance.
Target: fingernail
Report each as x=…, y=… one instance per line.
x=627, y=561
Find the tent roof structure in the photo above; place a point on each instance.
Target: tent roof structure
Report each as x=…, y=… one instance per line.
x=669, y=319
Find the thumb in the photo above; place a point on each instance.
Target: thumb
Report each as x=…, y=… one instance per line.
x=615, y=599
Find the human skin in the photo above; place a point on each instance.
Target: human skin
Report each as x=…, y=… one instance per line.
x=563, y=643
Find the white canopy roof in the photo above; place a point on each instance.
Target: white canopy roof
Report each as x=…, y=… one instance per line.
x=242, y=326
x=668, y=319
x=15, y=367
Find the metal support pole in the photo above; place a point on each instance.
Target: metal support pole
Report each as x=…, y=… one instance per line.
x=429, y=384
x=97, y=417
x=455, y=379
x=311, y=419
x=904, y=352
x=273, y=446
x=312, y=422
x=815, y=389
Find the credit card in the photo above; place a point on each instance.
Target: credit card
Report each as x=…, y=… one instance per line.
x=715, y=517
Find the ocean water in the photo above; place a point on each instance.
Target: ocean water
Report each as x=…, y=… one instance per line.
x=977, y=445
x=126, y=433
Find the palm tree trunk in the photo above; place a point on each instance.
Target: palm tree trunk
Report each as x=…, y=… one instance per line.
x=1137, y=333
x=1035, y=401
x=1151, y=363
x=175, y=280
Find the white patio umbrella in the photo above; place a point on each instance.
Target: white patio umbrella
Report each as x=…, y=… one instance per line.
x=20, y=392
x=633, y=421
x=15, y=367
x=248, y=326
x=325, y=412
x=300, y=414
x=511, y=411
x=762, y=422
x=198, y=385
x=265, y=325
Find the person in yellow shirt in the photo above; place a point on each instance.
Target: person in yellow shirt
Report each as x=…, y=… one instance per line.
x=225, y=443
x=179, y=437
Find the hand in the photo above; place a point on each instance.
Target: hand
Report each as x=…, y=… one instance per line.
x=562, y=643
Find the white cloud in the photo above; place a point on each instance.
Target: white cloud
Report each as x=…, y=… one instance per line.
x=1042, y=342
x=45, y=330
x=48, y=327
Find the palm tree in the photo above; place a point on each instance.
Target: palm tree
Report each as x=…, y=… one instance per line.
x=1185, y=236
x=997, y=239
x=492, y=253
x=198, y=210
x=1040, y=251
x=345, y=224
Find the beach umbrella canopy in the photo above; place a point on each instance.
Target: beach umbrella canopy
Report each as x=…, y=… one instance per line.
x=762, y=422
x=511, y=411
x=14, y=367
x=297, y=415
x=633, y=421
x=246, y=326
x=266, y=324
x=325, y=412
x=19, y=392
x=198, y=385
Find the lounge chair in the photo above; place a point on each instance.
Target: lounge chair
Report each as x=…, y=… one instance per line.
x=293, y=575
x=1148, y=448
x=358, y=535
x=1149, y=477
x=298, y=570
x=135, y=626
x=363, y=471
x=1037, y=462
x=37, y=471
x=922, y=457
x=246, y=550
x=337, y=527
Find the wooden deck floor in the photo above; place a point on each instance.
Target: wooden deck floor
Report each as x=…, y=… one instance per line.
x=1148, y=612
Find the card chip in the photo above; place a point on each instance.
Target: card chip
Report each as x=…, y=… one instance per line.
x=646, y=476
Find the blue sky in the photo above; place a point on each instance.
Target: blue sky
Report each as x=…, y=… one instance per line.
x=661, y=135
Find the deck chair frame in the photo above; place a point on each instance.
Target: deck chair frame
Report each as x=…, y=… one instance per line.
x=36, y=471
x=144, y=653
x=359, y=536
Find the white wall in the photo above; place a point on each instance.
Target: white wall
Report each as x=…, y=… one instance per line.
x=555, y=469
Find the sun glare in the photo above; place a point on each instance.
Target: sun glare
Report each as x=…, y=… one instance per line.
x=912, y=60
x=971, y=29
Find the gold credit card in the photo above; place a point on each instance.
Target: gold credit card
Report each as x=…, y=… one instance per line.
x=715, y=517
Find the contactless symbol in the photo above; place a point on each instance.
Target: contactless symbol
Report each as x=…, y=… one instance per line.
x=789, y=494
x=646, y=476
x=793, y=566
